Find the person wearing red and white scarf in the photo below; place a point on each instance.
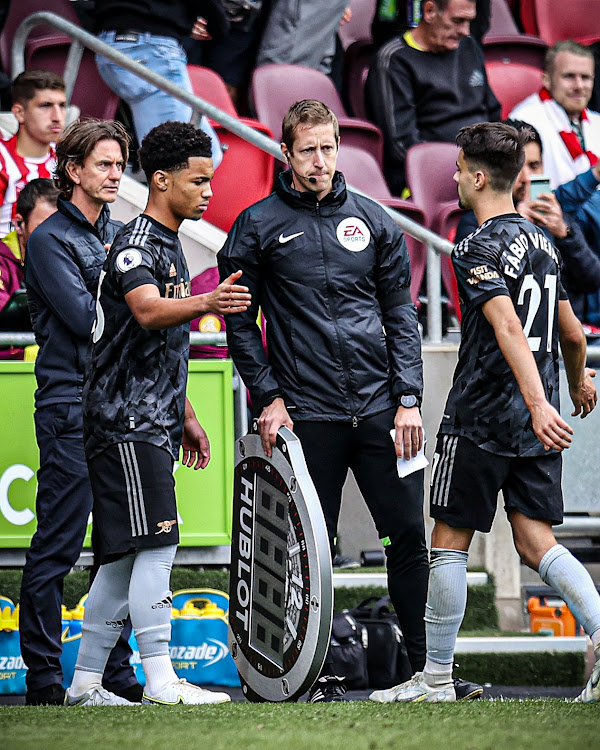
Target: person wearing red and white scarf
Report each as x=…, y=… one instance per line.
x=39, y=105
x=570, y=132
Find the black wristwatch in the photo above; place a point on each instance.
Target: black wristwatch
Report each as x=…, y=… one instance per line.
x=409, y=401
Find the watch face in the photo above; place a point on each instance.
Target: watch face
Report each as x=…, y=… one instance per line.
x=280, y=580
x=408, y=401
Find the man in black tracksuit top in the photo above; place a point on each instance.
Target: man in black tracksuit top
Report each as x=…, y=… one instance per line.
x=63, y=262
x=425, y=85
x=331, y=272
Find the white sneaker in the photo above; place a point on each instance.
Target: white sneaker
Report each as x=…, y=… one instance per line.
x=591, y=692
x=96, y=696
x=415, y=691
x=182, y=691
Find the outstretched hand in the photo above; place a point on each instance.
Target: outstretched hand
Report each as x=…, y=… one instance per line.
x=229, y=297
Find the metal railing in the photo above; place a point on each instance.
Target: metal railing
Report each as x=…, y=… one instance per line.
x=80, y=39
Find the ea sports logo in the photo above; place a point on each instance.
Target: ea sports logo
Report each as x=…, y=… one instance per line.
x=353, y=234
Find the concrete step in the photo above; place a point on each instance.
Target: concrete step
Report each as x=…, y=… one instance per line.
x=346, y=580
x=517, y=644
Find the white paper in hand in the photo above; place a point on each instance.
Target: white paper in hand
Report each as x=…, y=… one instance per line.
x=413, y=464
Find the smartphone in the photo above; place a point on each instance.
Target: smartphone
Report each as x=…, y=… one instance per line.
x=540, y=184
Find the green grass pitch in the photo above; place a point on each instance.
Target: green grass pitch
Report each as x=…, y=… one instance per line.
x=483, y=725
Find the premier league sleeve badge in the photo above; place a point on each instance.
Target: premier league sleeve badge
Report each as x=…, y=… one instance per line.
x=281, y=590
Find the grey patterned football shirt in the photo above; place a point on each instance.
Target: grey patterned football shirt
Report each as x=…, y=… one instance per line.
x=136, y=380
x=506, y=255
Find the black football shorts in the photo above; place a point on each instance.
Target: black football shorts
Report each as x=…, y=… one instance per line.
x=466, y=480
x=134, y=500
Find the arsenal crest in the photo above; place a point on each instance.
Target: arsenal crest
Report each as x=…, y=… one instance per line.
x=281, y=591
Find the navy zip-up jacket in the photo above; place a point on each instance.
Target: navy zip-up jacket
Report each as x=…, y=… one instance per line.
x=333, y=279
x=64, y=258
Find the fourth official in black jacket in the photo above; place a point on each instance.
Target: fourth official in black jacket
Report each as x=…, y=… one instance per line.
x=331, y=273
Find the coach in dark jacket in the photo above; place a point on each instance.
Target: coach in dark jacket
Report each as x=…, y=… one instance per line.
x=331, y=272
x=66, y=255
x=63, y=262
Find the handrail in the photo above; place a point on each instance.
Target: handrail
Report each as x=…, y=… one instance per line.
x=436, y=245
x=27, y=338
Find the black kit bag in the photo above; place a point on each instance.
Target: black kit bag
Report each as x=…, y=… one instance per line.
x=387, y=660
x=348, y=651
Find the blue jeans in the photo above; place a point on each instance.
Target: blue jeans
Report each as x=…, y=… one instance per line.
x=151, y=106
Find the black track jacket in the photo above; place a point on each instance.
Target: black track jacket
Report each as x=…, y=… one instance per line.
x=332, y=279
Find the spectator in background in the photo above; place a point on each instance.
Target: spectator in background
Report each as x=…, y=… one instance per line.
x=150, y=32
x=394, y=17
x=232, y=55
x=63, y=263
x=581, y=265
x=570, y=132
x=428, y=83
x=36, y=202
x=39, y=105
x=302, y=33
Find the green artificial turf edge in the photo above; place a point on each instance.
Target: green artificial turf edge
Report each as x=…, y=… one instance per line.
x=482, y=725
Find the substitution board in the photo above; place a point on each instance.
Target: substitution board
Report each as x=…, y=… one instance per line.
x=281, y=586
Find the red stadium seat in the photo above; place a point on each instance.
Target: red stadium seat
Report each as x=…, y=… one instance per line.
x=429, y=173
x=511, y=82
x=357, y=62
x=359, y=27
x=246, y=173
x=276, y=87
x=209, y=85
x=47, y=49
x=578, y=20
x=362, y=171
x=527, y=15
x=504, y=41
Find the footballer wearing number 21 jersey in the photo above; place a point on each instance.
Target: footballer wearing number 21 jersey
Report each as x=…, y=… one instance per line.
x=506, y=255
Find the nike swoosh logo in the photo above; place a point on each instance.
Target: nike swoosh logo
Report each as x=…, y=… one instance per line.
x=283, y=239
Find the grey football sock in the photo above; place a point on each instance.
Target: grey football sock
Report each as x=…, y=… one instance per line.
x=567, y=576
x=150, y=599
x=105, y=613
x=445, y=609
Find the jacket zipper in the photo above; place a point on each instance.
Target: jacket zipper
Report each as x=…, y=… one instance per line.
x=335, y=323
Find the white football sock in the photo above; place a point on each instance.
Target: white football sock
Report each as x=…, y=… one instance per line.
x=150, y=610
x=567, y=576
x=84, y=681
x=444, y=612
x=159, y=673
x=106, y=610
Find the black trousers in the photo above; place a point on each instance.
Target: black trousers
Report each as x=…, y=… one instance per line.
x=396, y=505
x=63, y=505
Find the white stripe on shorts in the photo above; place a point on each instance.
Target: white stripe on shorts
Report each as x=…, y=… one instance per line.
x=135, y=494
x=443, y=476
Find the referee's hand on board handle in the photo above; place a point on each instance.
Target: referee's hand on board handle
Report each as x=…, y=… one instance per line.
x=550, y=428
x=273, y=416
x=229, y=297
x=584, y=396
